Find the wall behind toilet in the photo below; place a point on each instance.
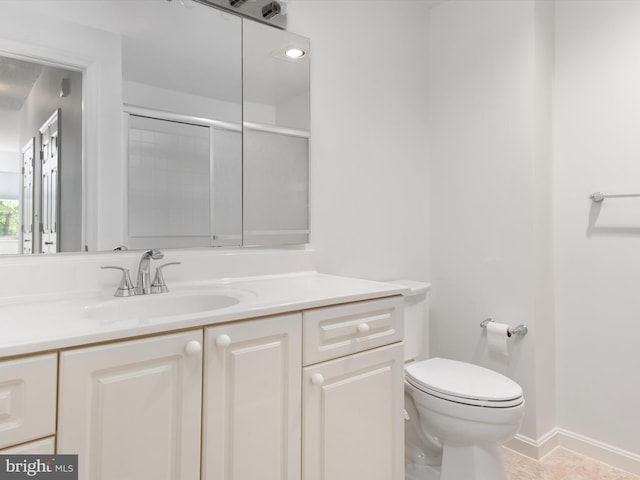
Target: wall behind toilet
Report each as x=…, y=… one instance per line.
x=490, y=104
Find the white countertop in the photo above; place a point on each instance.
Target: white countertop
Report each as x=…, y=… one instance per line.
x=43, y=323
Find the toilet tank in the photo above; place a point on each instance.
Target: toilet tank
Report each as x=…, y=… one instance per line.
x=416, y=319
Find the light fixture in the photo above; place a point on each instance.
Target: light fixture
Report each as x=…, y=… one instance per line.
x=294, y=53
x=270, y=10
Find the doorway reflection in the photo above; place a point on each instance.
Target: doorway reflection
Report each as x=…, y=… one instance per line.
x=40, y=158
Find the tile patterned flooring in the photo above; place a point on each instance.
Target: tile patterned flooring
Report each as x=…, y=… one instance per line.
x=561, y=464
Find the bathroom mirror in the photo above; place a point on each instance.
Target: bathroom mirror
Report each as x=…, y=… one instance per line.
x=162, y=128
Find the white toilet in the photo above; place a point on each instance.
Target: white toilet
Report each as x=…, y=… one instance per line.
x=457, y=414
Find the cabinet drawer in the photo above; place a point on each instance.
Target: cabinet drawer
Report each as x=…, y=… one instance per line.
x=333, y=332
x=27, y=399
x=45, y=446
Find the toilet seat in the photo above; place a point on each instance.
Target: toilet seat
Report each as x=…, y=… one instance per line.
x=464, y=383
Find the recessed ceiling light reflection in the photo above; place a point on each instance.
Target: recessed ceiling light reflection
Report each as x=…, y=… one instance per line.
x=294, y=53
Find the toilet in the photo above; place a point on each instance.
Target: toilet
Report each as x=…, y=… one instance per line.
x=457, y=415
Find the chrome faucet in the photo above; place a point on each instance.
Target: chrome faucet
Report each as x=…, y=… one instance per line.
x=143, y=285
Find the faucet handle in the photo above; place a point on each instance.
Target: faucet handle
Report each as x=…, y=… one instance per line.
x=153, y=253
x=126, y=288
x=158, y=285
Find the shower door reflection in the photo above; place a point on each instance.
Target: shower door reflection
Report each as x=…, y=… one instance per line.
x=184, y=184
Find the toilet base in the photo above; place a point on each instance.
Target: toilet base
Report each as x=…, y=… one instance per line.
x=468, y=462
x=421, y=472
x=472, y=462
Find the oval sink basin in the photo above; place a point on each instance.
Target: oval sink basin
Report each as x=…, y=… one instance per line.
x=156, y=306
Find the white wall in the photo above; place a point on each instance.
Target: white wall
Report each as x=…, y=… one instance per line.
x=369, y=197
x=488, y=153
x=9, y=141
x=597, y=262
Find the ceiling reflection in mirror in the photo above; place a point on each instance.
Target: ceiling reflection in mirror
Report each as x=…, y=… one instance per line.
x=162, y=113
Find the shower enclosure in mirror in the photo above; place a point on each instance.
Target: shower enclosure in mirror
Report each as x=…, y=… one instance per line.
x=184, y=181
x=275, y=136
x=152, y=153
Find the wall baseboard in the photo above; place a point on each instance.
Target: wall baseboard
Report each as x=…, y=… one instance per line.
x=535, y=449
x=559, y=437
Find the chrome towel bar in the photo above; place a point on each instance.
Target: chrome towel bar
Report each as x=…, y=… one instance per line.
x=519, y=330
x=599, y=196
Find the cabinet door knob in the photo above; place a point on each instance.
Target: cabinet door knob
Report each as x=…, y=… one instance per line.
x=193, y=348
x=317, y=379
x=363, y=328
x=223, y=341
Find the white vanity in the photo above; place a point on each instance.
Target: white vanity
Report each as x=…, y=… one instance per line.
x=301, y=378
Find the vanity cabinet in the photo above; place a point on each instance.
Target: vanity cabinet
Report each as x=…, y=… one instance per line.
x=131, y=410
x=354, y=404
x=311, y=395
x=252, y=400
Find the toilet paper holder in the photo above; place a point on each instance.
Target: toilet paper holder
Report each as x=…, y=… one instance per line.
x=519, y=330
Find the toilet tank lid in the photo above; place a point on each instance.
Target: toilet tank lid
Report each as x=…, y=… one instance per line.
x=415, y=288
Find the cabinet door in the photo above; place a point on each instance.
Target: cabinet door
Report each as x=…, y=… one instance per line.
x=131, y=410
x=253, y=400
x=353, y=417
x=27, y=398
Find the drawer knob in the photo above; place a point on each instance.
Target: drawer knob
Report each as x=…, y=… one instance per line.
x=223, y=341
x=193, y=348
x=317, y=379
x=363, y=328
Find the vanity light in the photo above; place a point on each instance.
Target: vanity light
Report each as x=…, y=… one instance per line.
x=294, y=53
x=270, y=10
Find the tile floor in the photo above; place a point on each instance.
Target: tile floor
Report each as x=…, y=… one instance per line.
x=561, y=464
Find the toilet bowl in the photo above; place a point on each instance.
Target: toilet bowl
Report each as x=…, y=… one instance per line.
x=457, y=415
x=462, y=413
